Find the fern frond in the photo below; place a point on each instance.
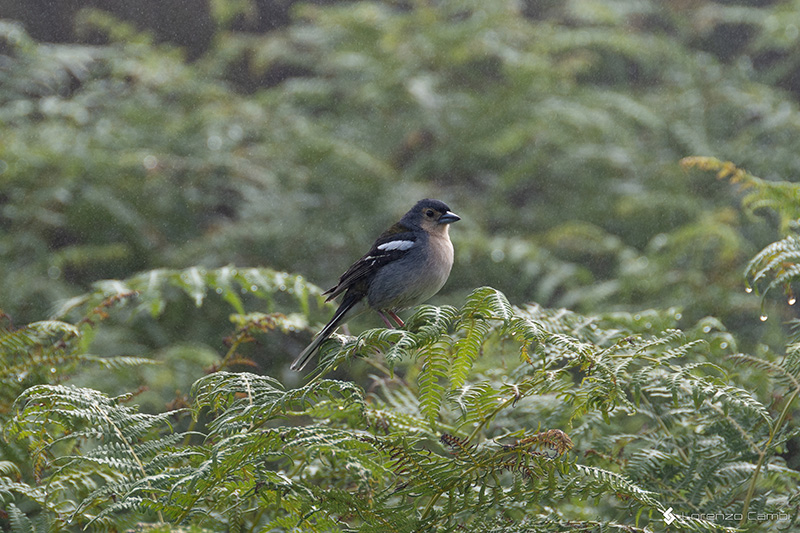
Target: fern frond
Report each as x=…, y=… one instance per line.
x=531, y=335
x=716, y=390
x=467, y=349
x=248, y=400
x=487, y=302
x=36, y=494
x=76, y=415
x=791, y=364
x=20, y=523
x=264, y=322
x=621, y=485
x=396, y=410
x=415, y=466
x=229, y=282
x=788, y=369
x=394, y=344
x=19, y=341
x=778, y=264
x=429, y=323
x=552, y=439
x=432, y=377
x=35, y=71
x=423, y=328
x=782, y=196
x=118, y=362
x=779, y=261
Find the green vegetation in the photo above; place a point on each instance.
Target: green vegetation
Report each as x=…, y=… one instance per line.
x=617, y=338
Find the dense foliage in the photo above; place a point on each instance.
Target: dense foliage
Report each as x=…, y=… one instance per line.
x=555, y=132
x=460, y=425
x=616, y=370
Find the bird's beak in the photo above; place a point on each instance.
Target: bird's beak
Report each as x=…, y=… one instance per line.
x=449, y=218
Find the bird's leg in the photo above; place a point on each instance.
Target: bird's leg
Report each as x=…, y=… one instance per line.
x=396, y=319
x=386, y=320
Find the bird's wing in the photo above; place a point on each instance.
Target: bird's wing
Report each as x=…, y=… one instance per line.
x=393, y=244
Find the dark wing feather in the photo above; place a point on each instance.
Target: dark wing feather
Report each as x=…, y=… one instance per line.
x=360, y=272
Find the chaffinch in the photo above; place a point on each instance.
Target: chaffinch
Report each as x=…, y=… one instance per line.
x=406, y=265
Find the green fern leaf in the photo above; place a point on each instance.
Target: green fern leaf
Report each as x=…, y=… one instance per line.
x=19, y=522
x=487, y=302
x=432, y=378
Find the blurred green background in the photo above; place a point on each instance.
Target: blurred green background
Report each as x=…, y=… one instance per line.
x=289, y=134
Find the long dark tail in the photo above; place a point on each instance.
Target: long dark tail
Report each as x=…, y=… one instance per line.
x=348, y=303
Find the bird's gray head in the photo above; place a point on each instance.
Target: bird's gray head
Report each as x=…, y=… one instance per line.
x=430, y=214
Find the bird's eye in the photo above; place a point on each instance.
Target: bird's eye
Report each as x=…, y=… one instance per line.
x=429, y=213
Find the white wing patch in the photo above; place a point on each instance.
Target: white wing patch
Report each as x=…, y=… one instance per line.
x=396, y=245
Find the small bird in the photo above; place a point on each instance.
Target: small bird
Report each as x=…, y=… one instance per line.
x=406, y=265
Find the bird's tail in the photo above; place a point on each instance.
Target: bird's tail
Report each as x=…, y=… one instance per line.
x=302, y=360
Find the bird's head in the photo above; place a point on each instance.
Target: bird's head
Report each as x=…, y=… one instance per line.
x=433, y=216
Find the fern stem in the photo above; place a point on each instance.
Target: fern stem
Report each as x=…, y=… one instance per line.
x=127, y=443
x=664, y=428
x=257, y=519
x=489, y=418
x=232, y=350
x=429, y=507
x=189, y=431
x=762, y=457
x=222, y=364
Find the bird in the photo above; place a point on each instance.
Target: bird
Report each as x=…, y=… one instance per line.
x=405, y=266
